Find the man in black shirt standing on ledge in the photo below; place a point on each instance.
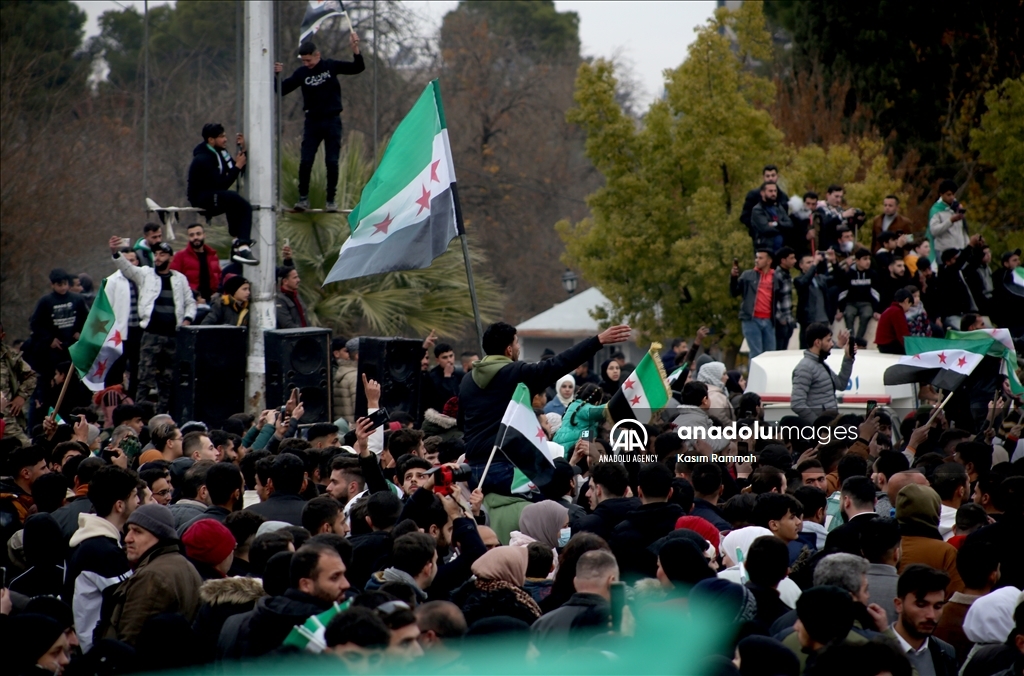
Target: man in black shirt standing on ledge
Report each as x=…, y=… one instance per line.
x=321, y=99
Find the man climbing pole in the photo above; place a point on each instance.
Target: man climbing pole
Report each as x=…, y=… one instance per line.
x=321, y=99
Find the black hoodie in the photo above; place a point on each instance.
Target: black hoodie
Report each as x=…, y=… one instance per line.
x=266, y=626
x=321, y=93
x=630, y=539
x=210, y=171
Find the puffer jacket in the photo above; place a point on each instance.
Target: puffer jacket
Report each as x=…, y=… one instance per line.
x=344, y=391
x=224, y=312
x=222, y=599
x=579, y=416
x=815, y=385
x=440, y=425
x=149, y=285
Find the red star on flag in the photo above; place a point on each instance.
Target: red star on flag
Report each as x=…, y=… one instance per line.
x=942, y=357
x=917, y=356
x=101, y=367
x=629, y=384
x=540, y=435
x=635, y=400
x=961, y=361
x=383, y=225
x=116, y=339
x=424, y=201
x=433, y=171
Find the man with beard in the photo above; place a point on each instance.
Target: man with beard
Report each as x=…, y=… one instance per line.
x=769, y=222
x=165, y=303
x=920, y=597
x=199, y=263
x=814, y=383
x=224, y=485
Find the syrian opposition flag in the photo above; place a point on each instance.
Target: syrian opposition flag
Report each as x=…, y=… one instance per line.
x=643, y=392
x=1014, y=282
x=522, y=440
x=407, y=213
x=317, y=13
x=101, y=341
x=309, y=635
x=945, y=369
x=987, y=342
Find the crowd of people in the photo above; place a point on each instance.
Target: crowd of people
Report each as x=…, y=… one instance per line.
x=914, y=279
x=135, y=542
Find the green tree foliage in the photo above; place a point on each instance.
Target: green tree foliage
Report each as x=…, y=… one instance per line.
x=397, y=303
x=39, y=40
x=918, y=65
x=537, y=27
x=999, y=141
x=667, y=216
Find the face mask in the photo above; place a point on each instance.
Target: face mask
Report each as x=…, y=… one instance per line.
x=847, y=247
x=563, y=537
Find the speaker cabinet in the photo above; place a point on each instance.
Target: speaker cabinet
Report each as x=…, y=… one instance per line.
x=300, y=358
x=209, y=373
x=395, y=364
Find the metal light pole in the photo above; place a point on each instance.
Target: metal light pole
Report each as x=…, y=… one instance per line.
x=259, y=130
x=145, y=101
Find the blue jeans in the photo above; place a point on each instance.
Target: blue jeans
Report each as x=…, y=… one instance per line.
x=760, y=335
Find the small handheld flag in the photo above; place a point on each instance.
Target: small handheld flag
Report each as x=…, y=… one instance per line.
x=317, y=13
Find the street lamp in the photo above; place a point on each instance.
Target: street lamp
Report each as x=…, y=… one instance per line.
x=569, y=281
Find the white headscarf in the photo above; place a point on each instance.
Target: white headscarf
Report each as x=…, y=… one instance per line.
x=554, y=421
x=711, y=373
x=741, y=539
x=558, y=389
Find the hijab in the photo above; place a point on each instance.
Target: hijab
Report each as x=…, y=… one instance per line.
x=711, y=373
x=543, y=520
x=503, y=564
x=607, y=384
x=741, y=539
x=558, y=389
x=733, y=383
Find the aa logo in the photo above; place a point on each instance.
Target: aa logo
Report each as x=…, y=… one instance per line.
x=629, y=436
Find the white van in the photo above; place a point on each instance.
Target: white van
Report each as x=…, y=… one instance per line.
x=771, y=376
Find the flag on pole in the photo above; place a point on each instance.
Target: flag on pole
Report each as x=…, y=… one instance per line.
x=945, y=369
x=987, y=342
x=309, y=635
x=643, y=392
x=102, y=339
x=317, y=13
x=406, y=214
x=522, y=440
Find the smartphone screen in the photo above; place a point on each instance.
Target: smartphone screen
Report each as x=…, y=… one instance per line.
x=871, y=404
x=618, y=602
x=378, y=417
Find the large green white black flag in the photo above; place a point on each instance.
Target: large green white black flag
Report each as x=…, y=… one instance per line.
x=317, y=13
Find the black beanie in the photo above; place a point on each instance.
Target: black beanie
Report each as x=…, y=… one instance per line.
x=233, y=284
x=29, y=636
x=826, y=612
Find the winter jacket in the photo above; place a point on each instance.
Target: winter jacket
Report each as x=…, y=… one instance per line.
x=1007, y=306
x=951, y=624
x=761, y=230
x=288, y=315
x=860, y=286
x=440, y=425
x=15, y=506
x=344, y=391
x=149, y=285
x=917, y=512
x=67, y=516
x=17, y=379
x=186, y=510
x=478, y=604
x=638, y=531
x=484, y=395
x=321, y=92
x=96, y=562
x=745, y=287
x=186, y=262
x=882, y=580
x=281, y=507
x=605, y=517
x=225, y=312
x=454, y=572
x=815, y=385
x=899, y=224
x=812, y=296
x=218, y=514
x=443, y=389
x=695, y=417
x=945, y=233
x=892, y=329
x=164, y=582
x=57, y=316
x=953, y=295
x=503, y=514
x=143, y=252
x=370, y=552
x=552, y=633
x=222, y=599
x=710, y=513
x=579, y=417
x=265, y=627
x=211, y=171
x=752, y=199
x=46, y=557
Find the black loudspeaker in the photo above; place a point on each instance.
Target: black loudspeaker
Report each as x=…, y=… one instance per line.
x=300, y=358
x=395, y=364
x=209, y=373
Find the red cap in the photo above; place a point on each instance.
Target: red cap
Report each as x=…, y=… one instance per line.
x=701, y=527
x=208, y=541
